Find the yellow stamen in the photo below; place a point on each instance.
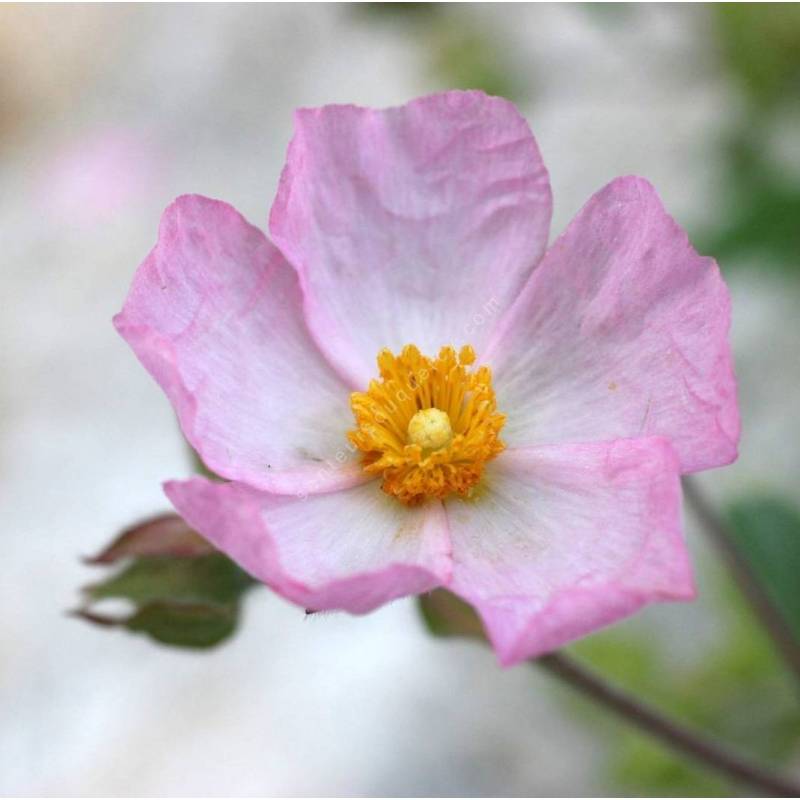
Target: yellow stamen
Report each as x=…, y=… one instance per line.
x=427, y=426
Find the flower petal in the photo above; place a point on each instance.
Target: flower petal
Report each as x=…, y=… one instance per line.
x=568, y=538
x=417, y=224
x=214, y=314
x=352, y=550
x=622, y=331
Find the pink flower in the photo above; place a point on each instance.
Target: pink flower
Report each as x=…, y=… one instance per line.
x=540, y=483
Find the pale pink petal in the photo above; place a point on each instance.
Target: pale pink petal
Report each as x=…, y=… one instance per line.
x=417, y=224
x=567, y=538
x=214, y=314
x=622, y=331
x=353, y=550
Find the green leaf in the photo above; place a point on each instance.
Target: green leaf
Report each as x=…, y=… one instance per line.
x=191, y=625
x=185, y=625
x=767, y=533
x=212, y=578
x=184, y=592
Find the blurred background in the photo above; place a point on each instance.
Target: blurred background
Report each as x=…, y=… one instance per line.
x=107, y=113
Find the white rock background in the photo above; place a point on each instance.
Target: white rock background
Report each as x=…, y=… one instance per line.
x=199, y=99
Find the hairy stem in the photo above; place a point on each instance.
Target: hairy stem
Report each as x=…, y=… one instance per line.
x=691, y=743
x=764, y=609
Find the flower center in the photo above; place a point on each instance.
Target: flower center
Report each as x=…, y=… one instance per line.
x=430, y=428
x=429, y=425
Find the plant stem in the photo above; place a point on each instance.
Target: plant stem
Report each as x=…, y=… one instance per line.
x=759, y=601
x=672, y=733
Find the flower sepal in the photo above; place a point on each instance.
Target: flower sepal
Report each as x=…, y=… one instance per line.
x=448, y=616
x=183, y=591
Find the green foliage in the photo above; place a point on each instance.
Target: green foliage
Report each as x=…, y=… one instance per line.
x=739, y=691
x=184, y=593
x=759, y=210
x=761, y=45
x=213, y=579
x=192, y=625
x=641, y=762
x=636, y=762
x=446, y=615
x=460, y=52
x=466, y=59
x=767, y=532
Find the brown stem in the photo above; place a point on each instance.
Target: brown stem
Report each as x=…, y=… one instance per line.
x=672, y=733
x=759, y=601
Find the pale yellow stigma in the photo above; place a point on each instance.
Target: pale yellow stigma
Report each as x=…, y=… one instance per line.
x=430, y=428
x=429, y=425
